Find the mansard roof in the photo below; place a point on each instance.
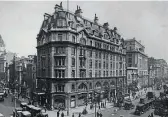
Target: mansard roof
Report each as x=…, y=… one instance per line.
x=80, y=23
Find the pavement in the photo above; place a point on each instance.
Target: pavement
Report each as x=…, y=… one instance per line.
x=7, y=106
x=109, y=107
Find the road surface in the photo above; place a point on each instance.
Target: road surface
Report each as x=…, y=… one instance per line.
x=6, y=107
x=126, y=113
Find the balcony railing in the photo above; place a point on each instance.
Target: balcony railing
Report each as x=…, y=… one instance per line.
x=59, y=67
x=61, y=54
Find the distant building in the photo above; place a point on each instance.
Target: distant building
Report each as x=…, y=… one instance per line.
x=76, y=57
x=19, y=73
x=137, y=62
x=2, y=58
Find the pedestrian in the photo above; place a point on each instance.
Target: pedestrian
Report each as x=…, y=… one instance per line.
x=73, y=115
x=58, y=113
x=101, y=104
x=62, y=114
x=151, y=114
x=45, y=108
x=100, y=115
x=97, y=114
x=79, y=115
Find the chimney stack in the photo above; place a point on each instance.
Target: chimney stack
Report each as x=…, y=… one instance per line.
x=96, y=19
x=78, y=12
x=106, y=25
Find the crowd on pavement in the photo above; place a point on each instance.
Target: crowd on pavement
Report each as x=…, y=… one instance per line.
x=77, y=112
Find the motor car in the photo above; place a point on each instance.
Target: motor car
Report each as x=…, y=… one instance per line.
x=25, y=114
x=1, y=96
x=1, y=115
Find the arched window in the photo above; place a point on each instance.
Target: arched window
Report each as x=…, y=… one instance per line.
x=73, y=87
x=112, y=83
x=98, y=85
x=90, y=85
x=83, y=41
x=82, y=87
x=105, y=84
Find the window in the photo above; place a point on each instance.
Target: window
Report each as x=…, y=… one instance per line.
x=73, y=39
x=73, y=74
x=59, y=37
x=60, y=22
x=59, y=73
x=99, y=64
x=90, y=63
x=107, y=73
x=82, y=62
x=113, y=73
x=104, y=55
x=104, y=65
x=96, y=54
x=111, y=57
x=95, y=73
x=104, y=73
x=110, y=73
x=90, y=85
x=82, y=73
x=73, y=87
x=116, y=65
x=60, y=62
x=90, y=53
x=73, y=62
x=73, y=51
x=111, y=65
x=83, y=41
x=60, y=50
x=90, y=42
x=96, y=64
x=129, y=60
x=99, y=73
x=99, y=55
x=116, y=72
x=90, y=73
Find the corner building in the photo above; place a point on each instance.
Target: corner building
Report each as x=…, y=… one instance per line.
x=76, y=57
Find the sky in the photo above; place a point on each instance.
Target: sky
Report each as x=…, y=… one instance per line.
x=20, y=22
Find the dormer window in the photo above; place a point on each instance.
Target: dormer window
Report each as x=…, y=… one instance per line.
x=90, y=42
x=61, y=22
x=105, y=36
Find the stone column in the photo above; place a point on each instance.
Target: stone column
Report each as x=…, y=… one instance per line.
x=52, y=62
x=76, y=100
x=52, y=101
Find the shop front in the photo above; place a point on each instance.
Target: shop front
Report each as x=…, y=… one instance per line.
x=81, y=99
x=59, y=102
x=90, y=97
x=73, y=102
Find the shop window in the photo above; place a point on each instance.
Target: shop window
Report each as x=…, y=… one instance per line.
x=82, y=87
x=90, y=85
x=98, y=85
x=73, y=88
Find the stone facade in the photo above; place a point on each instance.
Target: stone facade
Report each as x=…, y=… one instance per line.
x=76, y=57
x=136, y=58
